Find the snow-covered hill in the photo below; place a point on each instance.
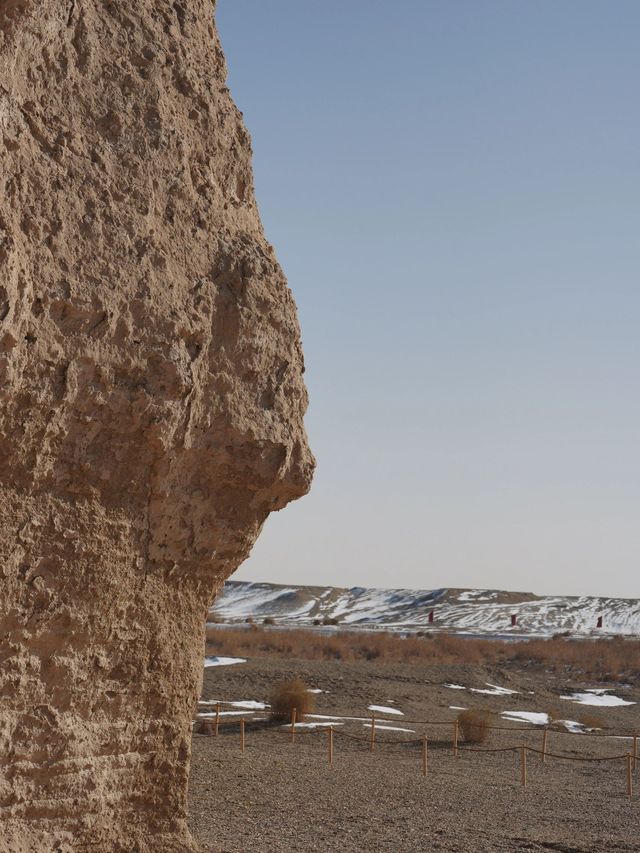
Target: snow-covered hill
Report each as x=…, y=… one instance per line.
x=454, y=610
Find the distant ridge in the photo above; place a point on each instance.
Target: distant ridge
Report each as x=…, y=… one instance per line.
x=469, y=611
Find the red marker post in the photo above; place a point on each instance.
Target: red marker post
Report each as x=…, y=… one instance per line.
x=514, y=619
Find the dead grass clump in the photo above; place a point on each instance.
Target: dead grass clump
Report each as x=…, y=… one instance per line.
x=590, y=720
x=287, y=695
x=554, y=713
x=604, y=660
x=474, y=725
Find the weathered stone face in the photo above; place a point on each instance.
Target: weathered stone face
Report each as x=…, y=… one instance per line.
x=151, y=405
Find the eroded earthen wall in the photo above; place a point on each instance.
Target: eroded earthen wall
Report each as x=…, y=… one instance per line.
x=151, y=405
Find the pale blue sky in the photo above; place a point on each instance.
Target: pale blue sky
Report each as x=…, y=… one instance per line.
x=453, y=189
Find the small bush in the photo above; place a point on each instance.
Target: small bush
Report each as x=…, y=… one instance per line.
x=249, y=619
x=329, y=620
x=287, y=695
x=268, y=620
x=591, y=721
x=474, y=725
x=554, y=714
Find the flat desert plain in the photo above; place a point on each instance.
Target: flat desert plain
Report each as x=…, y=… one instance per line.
x=283, y=796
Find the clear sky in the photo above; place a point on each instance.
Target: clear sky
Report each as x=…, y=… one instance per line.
x=453, y=189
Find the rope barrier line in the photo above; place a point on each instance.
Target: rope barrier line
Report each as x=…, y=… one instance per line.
x=512, y=728
x=322, y=729
x=450, y=723
x=629, y=757
x=532, y=729
x=419, y=741
x=575, y=757
x=342, y=733
x=540, y=752
x=578, y=734
x=501, y=749
x=287, y=734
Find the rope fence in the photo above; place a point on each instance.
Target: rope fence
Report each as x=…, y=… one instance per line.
x=374, y=717
x=293, y=730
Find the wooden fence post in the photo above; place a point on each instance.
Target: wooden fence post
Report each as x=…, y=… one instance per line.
x=455, y=738
x=330, y=740
x=373, y=730
x=217, y=718
x=424, y=755
x=293, y=725
x=629, y=776
x=523, y=765
x=635, y=750
x=242, y=733
x=544, y=745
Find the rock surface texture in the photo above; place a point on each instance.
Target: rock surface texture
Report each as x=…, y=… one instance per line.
x=151, y=407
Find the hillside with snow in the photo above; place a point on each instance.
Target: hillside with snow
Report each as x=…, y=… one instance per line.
x=478, y=612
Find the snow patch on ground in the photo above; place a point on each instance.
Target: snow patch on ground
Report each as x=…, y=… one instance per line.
x=328, y=717
x=384, y=709
x=476, y=595
x=220, y=661
x=204, y=715
x=494, y=690
x=598, y=699
x=249, y=704
x=455, y=686
x=572, y=726
x=389, y=728
x=538, y=718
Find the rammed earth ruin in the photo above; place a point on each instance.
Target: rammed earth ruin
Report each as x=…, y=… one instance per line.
x=152, y=407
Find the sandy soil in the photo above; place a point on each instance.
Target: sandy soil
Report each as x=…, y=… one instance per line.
x=278, y=796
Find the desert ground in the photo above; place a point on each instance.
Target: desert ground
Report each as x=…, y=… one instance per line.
x=283, y=796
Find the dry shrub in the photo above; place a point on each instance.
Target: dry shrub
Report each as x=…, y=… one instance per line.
x=615, y=659
x=268, y=620
x=602, y=659
x=555, y=714
x=474, y=725
x=287, y=695
x=590, y=720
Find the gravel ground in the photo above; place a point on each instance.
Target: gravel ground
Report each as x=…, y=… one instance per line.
x=278, y=796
